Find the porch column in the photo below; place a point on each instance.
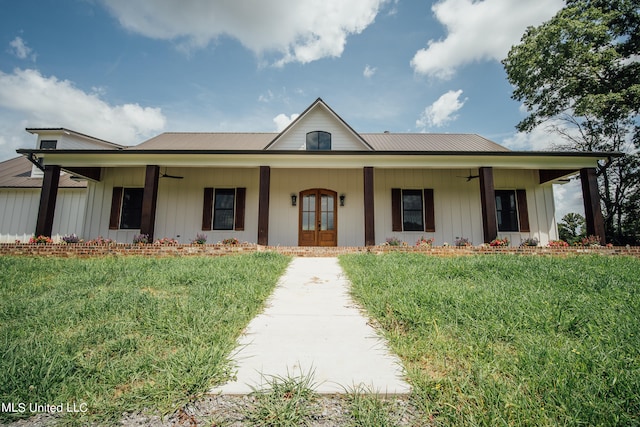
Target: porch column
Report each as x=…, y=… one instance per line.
x=48, y=196
x=263, y=205
x=149, y=198
x=369, y=220
x=591, y=199
x=488, y=201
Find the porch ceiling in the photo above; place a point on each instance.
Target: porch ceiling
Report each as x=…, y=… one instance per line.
x=331, y=159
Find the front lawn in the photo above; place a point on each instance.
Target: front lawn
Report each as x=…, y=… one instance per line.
x=113, y=335
x=510, y=340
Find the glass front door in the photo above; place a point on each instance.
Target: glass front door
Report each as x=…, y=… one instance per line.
x=318, y=218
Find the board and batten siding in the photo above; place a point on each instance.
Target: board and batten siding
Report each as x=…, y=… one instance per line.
x=457, y=205
x=19, y=213
x=540, y=204
x=179, y=205
x=284, y=219
x=318, y=119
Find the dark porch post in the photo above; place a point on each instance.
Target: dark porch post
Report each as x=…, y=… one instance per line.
x=591, y=199
x=149, y=198
x=369, y=220
x=263, y=205
x=48, y=196
x=488, y=201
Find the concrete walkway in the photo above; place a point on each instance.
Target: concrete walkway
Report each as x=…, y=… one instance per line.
x=312, y=324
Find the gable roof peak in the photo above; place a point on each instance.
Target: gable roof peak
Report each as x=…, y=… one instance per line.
x=319, y=103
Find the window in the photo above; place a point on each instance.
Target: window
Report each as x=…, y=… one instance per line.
x=131, y=213
x=507, y=210
x=126, y=208
x=48, y=144
x=412, y=218
x=412, y=210
x=318, y=141
x=223, y=209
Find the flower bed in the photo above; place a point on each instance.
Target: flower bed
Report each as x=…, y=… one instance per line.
x=96, y=249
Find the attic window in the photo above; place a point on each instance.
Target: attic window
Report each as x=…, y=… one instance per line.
x=48, y=144
x=318, y=141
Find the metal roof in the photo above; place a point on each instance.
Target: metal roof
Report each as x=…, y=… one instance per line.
x=207, y=141
x=16, y=173
x=430, y=142
x=55, y=131
x=405, y=142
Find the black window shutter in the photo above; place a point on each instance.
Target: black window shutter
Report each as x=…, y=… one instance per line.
x=523, y=211
x=396, y=209
x=207, y=210
x=241, y=195
x=429, y=211
x=116, y=204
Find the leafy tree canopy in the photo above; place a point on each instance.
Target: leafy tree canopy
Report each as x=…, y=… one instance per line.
x=583, y=62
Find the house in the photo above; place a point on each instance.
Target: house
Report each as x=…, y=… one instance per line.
x=21, y=183
x=319, y=182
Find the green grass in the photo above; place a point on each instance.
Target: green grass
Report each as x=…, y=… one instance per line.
x=124, y=334
x=508, y=340
x=285, y=402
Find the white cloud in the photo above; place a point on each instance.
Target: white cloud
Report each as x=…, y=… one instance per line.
x=282, y=121
x=20, y=49
x=298, y=31
x=48, y=102
x=369, y=71
x=542, y=137
x=479, y=31
x=568, y=198
x=442, y=111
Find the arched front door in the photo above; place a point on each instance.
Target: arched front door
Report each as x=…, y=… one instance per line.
x=318, y=224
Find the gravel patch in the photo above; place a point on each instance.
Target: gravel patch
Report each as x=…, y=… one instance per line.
x=232, y=411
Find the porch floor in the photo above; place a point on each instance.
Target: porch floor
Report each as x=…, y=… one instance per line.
x=311, y=325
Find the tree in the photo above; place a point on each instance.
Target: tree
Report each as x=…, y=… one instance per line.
x=580, y=74
x=572, y=228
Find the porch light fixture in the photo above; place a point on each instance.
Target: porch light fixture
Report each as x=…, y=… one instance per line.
x=342, y=196
x=294, y=199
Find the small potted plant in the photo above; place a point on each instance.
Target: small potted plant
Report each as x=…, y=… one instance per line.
x=423, y=241
x=558, y=244
x=462, y=242
x=140, y=239
x=531, y=241
x=394, y=241
x=70, y=239
x=498, y=242
x=200, y=239
x=41, y=240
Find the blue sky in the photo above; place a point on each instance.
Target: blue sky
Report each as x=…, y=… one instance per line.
x=126, y=70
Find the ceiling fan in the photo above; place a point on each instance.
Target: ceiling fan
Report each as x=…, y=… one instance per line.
x=166, y=175
x=469, y=177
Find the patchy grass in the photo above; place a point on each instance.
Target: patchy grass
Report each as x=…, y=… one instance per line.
x=285, y=402
x=124, y=334
x=367, y=409
x=508, y=340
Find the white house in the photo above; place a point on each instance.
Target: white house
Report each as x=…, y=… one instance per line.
x=318, y=183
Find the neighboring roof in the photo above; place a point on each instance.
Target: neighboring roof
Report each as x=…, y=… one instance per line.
x=377, y=141
x=207, y=141
x=44, y=131
x=16, y=173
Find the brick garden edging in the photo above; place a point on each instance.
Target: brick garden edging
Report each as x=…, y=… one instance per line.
x=80, y=250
